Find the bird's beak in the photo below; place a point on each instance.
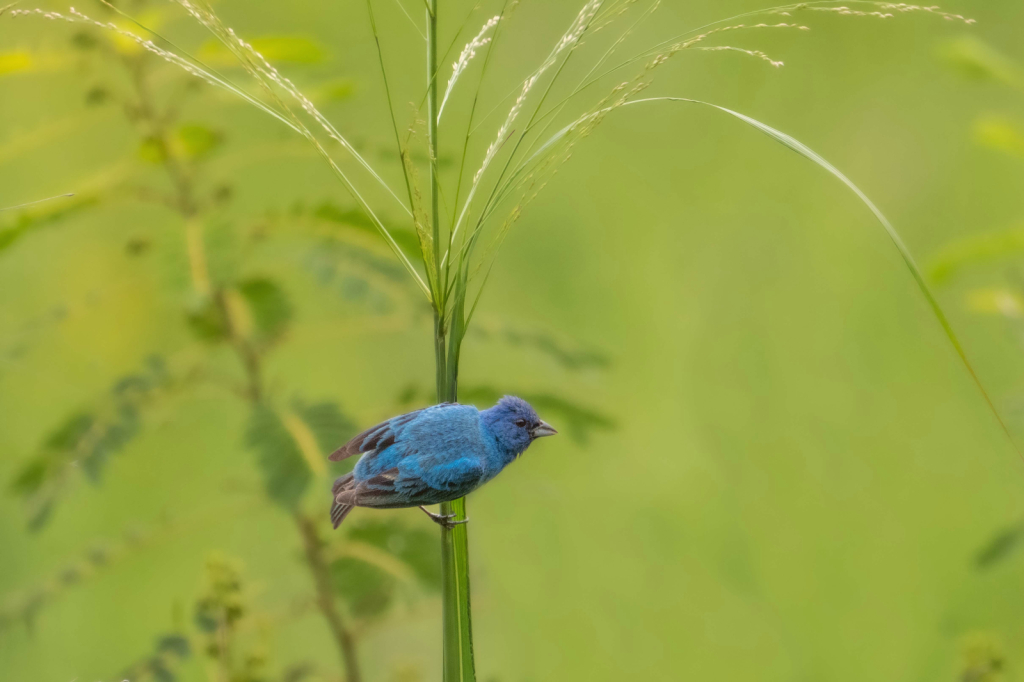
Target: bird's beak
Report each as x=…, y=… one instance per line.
x=541, y=430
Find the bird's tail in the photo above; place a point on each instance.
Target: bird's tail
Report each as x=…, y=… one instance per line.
x=338, y=510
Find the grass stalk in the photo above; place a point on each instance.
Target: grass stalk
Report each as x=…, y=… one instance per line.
x=457, y=631
x=432, y=107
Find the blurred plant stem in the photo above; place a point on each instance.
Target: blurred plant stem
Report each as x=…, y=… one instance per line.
x=456, y=617
x=158, y=126
x=317, y=561
x=312, y=544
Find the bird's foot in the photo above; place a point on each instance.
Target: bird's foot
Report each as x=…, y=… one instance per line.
x=443, y=520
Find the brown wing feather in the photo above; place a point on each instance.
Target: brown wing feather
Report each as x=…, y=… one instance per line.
x=354, y=446
x=340, y=510
x=382, y=492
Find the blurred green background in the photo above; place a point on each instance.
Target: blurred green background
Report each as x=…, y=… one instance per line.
x=776, y=466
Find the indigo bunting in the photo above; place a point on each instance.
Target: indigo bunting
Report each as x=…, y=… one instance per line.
x=433, y=455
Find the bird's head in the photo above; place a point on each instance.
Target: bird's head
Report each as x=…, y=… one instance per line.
x=515, y=424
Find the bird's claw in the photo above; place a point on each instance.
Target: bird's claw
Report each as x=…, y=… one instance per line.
x=447, y=523
x=444, y=520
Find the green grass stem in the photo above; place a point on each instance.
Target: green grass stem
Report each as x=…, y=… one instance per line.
x=457, y=630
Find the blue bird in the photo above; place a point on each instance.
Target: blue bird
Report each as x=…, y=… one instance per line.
x=433, y=455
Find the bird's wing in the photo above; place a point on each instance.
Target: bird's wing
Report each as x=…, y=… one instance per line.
x=407, y=486
x=378, y=438
x=384, y=490
x=340, y=510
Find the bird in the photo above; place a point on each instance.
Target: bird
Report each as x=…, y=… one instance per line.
x=433, y=455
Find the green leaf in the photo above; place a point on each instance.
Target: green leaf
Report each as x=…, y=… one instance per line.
x=416, y=547
x=152, y=150
x=163, y=663
x=1000, y=134
x=271, y=311
x=198, y=141
x=97, y=96
x=68, y=435
x=205, y=320
x=367, y=590
x=352, y=217
x=982, y=658
x=17, y=61
x=84, y=40
x=87, y=439
x=328, y=423
x=174, y=644
x=976, y=250
x=222, y=603
x=356, y=271
x=337, y=90
x=286, y=475
x=1000, y=547
x=977, y=60
x=569, y=357
x=42, y=214
x=355, y=218
x=159, y=670
x=1002, y=302
x=34, y=474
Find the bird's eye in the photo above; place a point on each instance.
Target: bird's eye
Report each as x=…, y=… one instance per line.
x=520, y=422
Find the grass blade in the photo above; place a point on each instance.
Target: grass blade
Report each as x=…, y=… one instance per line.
x=809, y=154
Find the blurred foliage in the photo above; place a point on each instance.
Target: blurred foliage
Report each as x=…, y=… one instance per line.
x=1004, y=302
x=227, y=307
x=221, y=612
x=241, y=311
x=292, y=447
x=357, y=220
x=22, y=606
x=301, y=50
x=161, y=665
x=327, y=423
x=188, y=142
x=229, y=633
x=43, y=215
x=973, y=58
x=379, y=559
x=980, y=249
x=1003, y=249
x=1000, y=547
x=368, y=588
x=569, y=356
x=795, y=508
x=286, y=473
x=268, y=309
x=336, y=90
x=982, y=659
x=1000, y=134
x=86, y=439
